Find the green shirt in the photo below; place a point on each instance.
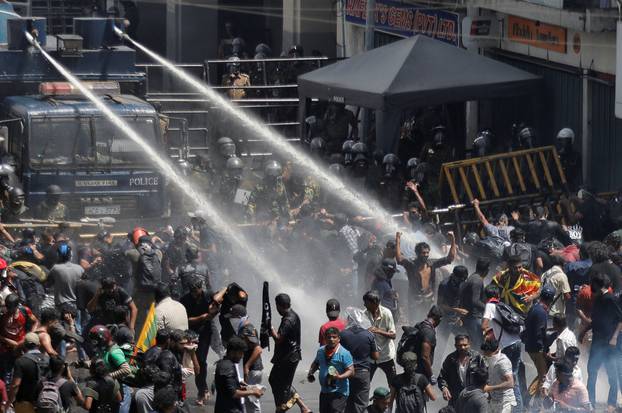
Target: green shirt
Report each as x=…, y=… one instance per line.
x=114, y=358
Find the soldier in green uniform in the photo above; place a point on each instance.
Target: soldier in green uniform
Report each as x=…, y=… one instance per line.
x=268, y=202
x=302, y=189
x=16, y=207
x=51, y=208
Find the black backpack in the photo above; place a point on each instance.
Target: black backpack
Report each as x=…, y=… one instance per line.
x=409, y=398
x=490, y=247
x=408, y=342
x=115, y=263
x=149, y=269
x=524, y=251
x=511, y=321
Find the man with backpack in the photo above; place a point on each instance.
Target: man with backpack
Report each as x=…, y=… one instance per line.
x=527, y=252
x=503, y=324
x=59, y=390
x=28, y=372
x=148, y=274
x=421, y=340
x=409, y=389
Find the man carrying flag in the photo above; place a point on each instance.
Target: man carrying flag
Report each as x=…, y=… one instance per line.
x=519, y=287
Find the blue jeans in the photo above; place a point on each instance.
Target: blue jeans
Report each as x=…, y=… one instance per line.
x=513, y=352
x=603, y=353
x=127, y=399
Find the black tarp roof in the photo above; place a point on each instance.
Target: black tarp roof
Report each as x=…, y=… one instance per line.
x=418, y=71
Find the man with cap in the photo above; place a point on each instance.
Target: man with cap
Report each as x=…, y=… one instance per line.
x=23, y=390
x=333, y=309
x=251, y=362
x=380, y=400
x=535, y=337
x=361, y=343
x=287, y=355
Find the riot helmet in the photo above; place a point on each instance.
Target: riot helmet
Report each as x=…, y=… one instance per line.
x=527, y=137
x=237, y=46
x=273, y=170
x=226, y=147
x=317, y=146
x=263, y=49
x=53, y=193
x=233, y=67
x=390, y=164
x=16, y=197
x=296, y=51
x=565, y=138
x=346, y=149
x=359, y=148
x=235, y=166
x=411, y=166
x=259, y=65
x=184, y=167
x=482, y=142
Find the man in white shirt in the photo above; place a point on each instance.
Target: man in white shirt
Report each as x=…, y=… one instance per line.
x=558, y=280
x=565, y=338
x=383, y=328
x=500, y=378
x=169, y=313
x=571, y=356
x=510, y=344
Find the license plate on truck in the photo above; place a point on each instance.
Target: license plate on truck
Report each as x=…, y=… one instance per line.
x=103, y=210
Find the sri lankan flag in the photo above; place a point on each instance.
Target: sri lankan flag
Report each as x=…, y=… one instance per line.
x=147, y=337
x=526, y=285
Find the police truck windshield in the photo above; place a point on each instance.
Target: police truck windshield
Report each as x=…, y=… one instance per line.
x=89, y=142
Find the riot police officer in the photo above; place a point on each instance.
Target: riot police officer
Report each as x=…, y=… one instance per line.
x=231, y=196
x=317, y=147
x=16, y=207
x=51, y=208
x=268, y=202
x=527, y=138
x=346, y=150
x=337, y=122
x=569, y=158
x=435, y=154
x=482, y=143
x=226, y=147
x=235, y=77
x=391, y=186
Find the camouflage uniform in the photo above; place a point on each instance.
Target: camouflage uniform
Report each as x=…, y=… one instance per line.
x=307, y=193
x=239, y=79
x=55, y=213
x=268, y=202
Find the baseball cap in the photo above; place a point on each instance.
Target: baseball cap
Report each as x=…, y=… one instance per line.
x=32, y=338
x=237, y=311
x=333, y=308
x=380, y=393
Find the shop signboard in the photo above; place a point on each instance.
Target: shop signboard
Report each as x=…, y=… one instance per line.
x=537, y=34
x=407, y=20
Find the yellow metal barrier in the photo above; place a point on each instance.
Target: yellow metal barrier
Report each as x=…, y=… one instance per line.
x=505, y=176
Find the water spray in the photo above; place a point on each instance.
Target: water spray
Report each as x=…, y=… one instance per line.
x=333, y=184
x=265, y=268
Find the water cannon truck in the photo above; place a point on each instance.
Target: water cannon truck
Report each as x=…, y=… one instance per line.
x=51, y=134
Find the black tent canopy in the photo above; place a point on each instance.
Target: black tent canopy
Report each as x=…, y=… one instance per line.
x=414, y=72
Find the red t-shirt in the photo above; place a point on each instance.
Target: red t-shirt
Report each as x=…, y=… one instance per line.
x=339, y=324
x=13, y=326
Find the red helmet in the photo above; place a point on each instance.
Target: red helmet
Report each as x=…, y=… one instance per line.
x=137, y=233
x=3, y=267
x=99, y=336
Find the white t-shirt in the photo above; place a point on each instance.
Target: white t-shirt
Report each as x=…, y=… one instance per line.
x=564, y=340
x=499, y=367
x=557, y=279
x=491, y=314
x=550, y=376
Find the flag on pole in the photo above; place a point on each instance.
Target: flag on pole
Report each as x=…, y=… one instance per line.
x=147, y=337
